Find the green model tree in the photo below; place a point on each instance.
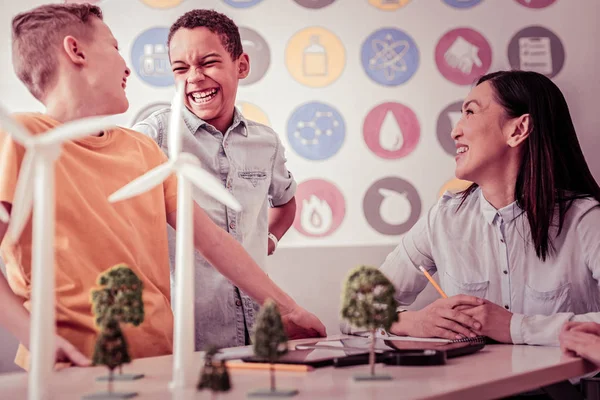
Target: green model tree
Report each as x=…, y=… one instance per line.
x=270, y=343
x=121, y=294
x=214, y=375
x=368, y=302
x=118, y=300
x=111, y=349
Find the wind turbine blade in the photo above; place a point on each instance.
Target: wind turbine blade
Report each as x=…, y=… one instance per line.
x=13, y=127
x=22, y=202
x=174, y=135
x=149, y=180
x=3, y=214
x=209, y=185
x=76, y=129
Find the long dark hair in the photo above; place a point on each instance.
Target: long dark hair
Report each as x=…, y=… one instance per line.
x=553, y=171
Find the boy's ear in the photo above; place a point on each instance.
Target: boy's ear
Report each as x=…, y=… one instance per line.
x=73, y=50
x=243, y=66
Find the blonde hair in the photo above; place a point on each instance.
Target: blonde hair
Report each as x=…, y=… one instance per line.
x=37, y=35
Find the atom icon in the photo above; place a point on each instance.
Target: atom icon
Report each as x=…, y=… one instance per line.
x=312, y=124
x=388, y=58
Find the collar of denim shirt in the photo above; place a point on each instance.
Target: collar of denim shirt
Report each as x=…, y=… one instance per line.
x=194, y=123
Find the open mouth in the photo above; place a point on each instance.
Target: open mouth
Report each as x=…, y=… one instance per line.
x=202, y=97
x=460, y=151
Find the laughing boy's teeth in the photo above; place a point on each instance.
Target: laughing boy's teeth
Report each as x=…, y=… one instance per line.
x=205, y=95
x=461, y=150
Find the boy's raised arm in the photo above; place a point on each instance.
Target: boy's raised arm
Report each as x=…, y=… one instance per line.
x=229, y=258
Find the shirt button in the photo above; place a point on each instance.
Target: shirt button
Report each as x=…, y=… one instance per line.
x=228, y=185
x=502, y=240
x=506, y=306
x=505, y=272
x=238, y=303
x=232, y=225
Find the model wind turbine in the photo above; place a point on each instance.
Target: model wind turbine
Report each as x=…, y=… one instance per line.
x=35, y=187
x=188, y=170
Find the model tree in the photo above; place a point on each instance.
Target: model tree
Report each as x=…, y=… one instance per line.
x=118, y=300
x=111, y=349
x=121, y=294
x=214, y=375
x=270, y=343
x=368, y=302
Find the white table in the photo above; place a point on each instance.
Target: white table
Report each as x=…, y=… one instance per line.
x=495, y=371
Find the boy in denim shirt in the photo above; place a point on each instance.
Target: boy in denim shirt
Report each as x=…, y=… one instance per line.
x=206, y=53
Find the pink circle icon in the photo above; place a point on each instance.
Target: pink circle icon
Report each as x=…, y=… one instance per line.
x=462, y=55
x=391, y=130
x=320, y=208
x=536, y=3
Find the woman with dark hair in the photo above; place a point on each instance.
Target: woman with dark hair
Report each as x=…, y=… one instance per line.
x=518, y=252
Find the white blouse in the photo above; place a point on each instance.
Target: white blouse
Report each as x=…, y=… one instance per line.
x=488, y=253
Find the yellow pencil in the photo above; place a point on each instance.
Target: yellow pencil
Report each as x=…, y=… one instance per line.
x=266, y=366
x=435, y=285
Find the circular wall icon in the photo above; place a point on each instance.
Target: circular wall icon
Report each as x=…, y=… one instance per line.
x=536, y=3
x=462, y=3
x=315, y=57
x=161, y=3
x=390, y=57
x=446, y=122
x=389, y=5
x=242, y=3
x=253, y=113
x=321, y=208
x=392, y=206
x=463, y=55
x=391, y=130
x=454, y=185
x=148, y=110
x=150, y=57
x=316, y=131
x=314, y=3
x=537, y=49
x=259, y=53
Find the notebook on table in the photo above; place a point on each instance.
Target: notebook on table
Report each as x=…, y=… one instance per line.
x=355, y=351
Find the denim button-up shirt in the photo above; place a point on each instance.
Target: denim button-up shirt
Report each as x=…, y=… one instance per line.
x=249, y=159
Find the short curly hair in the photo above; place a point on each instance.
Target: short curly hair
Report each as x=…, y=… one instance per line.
x=215, y=22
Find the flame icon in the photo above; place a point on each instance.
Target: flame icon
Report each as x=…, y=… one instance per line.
x=316, y=217
x=390, y=134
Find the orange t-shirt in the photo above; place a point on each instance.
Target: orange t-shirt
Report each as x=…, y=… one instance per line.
x=93, y=235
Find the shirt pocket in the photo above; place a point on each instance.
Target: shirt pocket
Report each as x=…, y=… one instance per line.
x=254, y=178
x=547, y=302
x=455, y=286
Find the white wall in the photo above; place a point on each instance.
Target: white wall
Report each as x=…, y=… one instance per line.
x=312, y=268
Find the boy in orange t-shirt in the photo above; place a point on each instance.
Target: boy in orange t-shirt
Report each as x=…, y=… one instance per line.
x=69, y=60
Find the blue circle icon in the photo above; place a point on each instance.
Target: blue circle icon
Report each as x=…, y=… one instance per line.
x=316, y=131
x=390, y=57
x=150, y=57
x=242, y=3
x=462, y=3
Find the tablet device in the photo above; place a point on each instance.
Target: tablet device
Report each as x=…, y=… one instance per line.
x=314, y=357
